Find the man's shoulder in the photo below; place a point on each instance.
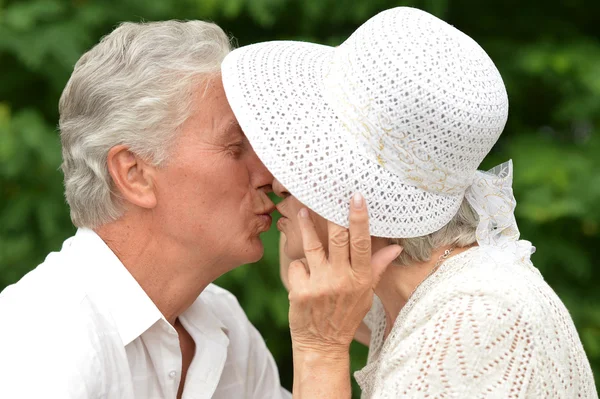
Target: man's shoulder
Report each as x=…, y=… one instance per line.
x=53, y=299
x=61, y=341
x=51, y=313
x=53, y=283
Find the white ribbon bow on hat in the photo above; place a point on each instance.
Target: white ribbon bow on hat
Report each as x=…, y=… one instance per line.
x=491, y=196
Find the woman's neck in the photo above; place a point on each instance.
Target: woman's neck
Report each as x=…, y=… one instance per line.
x=399, y=282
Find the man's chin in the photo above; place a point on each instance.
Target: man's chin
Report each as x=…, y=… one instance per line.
x=256, y=250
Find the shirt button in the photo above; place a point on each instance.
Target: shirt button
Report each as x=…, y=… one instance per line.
x=173, y=374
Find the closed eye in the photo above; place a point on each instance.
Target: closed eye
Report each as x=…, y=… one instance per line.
x=236, y=149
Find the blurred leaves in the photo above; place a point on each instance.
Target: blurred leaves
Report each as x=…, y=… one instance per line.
x=24, y=16
x=547, y=51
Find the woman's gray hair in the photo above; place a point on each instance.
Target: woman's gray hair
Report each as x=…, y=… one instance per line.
x=133, y=88
x=460, y=231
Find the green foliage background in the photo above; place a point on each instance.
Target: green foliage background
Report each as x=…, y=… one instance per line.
x=548, y=52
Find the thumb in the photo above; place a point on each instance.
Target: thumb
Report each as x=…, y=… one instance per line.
x=382, y=259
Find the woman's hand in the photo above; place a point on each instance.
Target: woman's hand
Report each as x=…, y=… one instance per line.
x=329, y=297
x=363, y=333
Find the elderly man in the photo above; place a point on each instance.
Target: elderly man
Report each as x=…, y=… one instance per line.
x=167, y=195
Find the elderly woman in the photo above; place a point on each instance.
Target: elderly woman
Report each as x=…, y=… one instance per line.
x=404, y=112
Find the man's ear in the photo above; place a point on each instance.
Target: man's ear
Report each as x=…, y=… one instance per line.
x=132, y=176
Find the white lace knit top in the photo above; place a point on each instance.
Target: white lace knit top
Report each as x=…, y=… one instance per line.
x=485, y=325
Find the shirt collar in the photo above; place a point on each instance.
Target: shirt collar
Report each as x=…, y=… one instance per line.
x=201, y=317
x=109, y=282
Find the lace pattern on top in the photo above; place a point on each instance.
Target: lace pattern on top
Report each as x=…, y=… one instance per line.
x=378, y=321
x=485, y=325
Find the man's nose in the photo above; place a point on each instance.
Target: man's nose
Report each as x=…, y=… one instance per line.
x=261, y=177
x=279, y=189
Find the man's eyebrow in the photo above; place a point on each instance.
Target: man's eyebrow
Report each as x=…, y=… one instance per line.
x=232, y=129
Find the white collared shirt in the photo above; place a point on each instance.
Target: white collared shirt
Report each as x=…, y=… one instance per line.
x=80, y=326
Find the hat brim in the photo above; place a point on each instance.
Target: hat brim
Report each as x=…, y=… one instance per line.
x=275, y=91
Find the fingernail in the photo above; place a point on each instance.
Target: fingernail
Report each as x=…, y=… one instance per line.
x=303, y=213
x=358, y=200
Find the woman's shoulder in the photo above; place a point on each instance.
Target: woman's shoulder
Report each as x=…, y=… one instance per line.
x=491, y=271
x=482, y=277
x=496, y=292
x=486, y=308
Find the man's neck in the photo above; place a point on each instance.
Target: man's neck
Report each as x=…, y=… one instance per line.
x=163, y=269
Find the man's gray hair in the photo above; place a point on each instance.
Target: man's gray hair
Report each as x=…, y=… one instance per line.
x=133, y=88
x=460, y=231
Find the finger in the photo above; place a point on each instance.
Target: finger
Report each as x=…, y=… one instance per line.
x=339, y=245
x=284, y=262
x=298, y=275
x=382, y=259
x=360, y=238
x=313, y=247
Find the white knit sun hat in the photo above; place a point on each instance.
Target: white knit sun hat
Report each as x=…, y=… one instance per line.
x=404, y=111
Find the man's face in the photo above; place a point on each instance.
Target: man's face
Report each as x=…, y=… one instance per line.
x=212, y=192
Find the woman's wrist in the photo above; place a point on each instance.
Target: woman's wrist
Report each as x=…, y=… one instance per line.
x=321, y=374
x=315, y=355
x=324, y=350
